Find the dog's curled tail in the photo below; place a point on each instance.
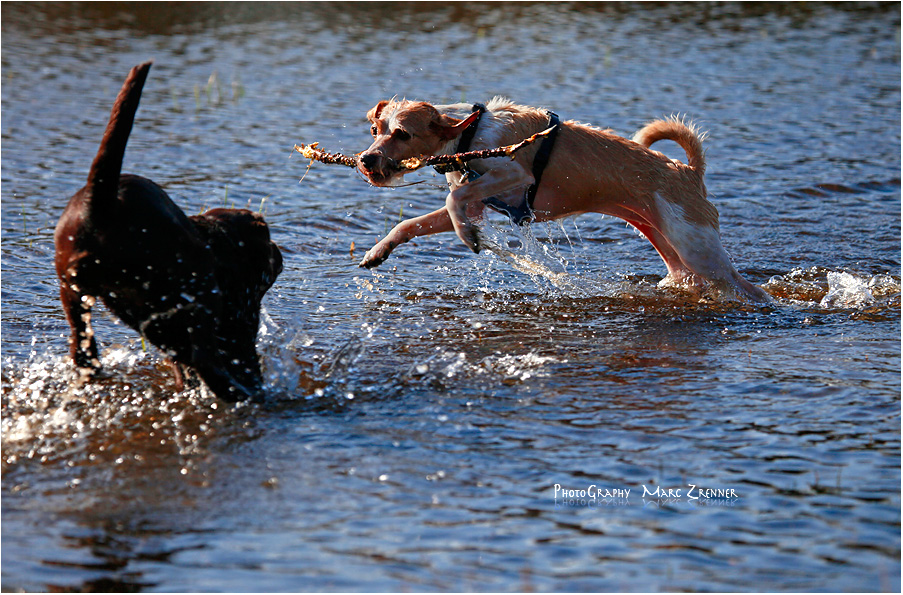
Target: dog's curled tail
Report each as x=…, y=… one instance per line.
x=103, y=179
x=683, y=133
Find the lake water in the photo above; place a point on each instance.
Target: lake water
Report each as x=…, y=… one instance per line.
x=421, y=415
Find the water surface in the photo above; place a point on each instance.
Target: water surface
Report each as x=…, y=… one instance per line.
x=421, y=415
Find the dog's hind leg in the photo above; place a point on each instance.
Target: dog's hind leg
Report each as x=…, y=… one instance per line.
x=82, y=345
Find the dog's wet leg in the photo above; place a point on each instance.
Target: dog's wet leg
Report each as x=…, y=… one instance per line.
x=82, y=345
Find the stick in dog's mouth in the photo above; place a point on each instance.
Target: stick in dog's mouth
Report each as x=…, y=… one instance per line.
x=452, y=162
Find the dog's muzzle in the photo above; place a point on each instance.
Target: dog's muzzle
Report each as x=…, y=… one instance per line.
x=370, y=161
x=378, y=168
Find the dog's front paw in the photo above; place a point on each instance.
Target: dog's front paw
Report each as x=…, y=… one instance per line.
x=470, y=235
x=463, y=215
x=377, y=255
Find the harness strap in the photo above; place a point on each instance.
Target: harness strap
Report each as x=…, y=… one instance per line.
x=541, y=159
x=523, y=212
x=465, y=140
x=471, y=131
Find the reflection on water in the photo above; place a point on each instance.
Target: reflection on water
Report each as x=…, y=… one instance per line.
x=420, y=415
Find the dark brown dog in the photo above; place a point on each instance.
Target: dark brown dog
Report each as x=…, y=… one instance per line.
x=191, y=285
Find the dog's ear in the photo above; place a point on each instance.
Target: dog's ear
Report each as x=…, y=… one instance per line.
x=373, y=114
x=447, y=128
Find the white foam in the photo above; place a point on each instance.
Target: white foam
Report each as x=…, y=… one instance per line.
x=846, y=291
x=520, y=367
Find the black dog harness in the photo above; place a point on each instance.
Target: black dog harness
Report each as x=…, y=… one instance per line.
x=522, y=213
x=464, y=142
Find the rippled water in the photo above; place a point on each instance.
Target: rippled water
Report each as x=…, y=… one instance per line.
x=421, y=415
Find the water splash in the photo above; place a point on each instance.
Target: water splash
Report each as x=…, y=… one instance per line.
x=292, y=362
x=547, y=262
x=520, y=368
x=445, y=365
x=299, y=368
x=836, y=289
x=847, y=291
x=50, y=413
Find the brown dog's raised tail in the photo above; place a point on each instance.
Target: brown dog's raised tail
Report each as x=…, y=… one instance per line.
x=191, y=285
x=103, y=179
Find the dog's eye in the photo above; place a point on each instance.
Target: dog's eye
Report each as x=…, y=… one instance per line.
x=401, y=134
x=373, y=130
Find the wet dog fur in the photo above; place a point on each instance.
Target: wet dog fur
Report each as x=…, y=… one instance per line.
x=191, y=285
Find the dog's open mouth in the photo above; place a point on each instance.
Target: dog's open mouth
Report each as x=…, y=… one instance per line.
x=385, y=177
x=375, y=178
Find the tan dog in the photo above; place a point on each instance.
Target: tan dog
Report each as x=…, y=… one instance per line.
x=588, y=170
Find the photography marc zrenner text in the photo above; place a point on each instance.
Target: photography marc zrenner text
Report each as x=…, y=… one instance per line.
x=595, y=495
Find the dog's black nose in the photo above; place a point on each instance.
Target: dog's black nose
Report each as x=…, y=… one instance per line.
x=369, y=160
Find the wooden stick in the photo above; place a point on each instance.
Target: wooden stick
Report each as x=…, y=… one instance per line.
x=454, y=162
x=314, y=154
